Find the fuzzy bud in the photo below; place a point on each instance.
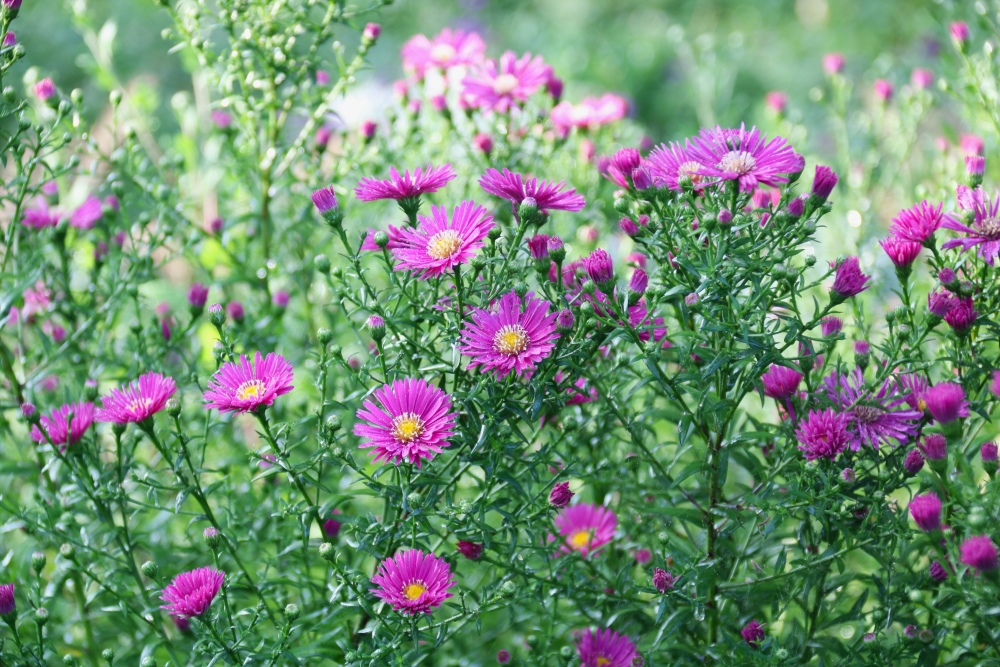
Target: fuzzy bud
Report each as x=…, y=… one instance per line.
x=38, y=562
x=212, y=538
x=292, y=612
x=327, y=551
x=560, y=495
x=149, y=569
x=216, y=315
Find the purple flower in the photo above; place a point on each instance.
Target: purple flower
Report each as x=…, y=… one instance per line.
x=331, y=527
x=830, y=326
x=988, y=452
x=621, y=166
x=560, y=495
x=438, y=245
x=848, y=475
x=873, y=416
x=938, y=572
x=10, y=39
x=638, y=283
x=975, y=165
x=823, y=183
x=913, y=462
x=669, y=165
x=962, y=316
x=627, y=226
x=883, y=90
x=413, y=582
x=515, y=188
x=412, y=421
x=471, y=550
x=918, y=224
x=40, y=215
x=280, y=299
x=921, y=78
x=959, y=32
x=985, y=229
x=745, y=156
x=902, y=253
x=8, y=605
x=509, y=82
x=781, y=382
x=503, y=656
x=245, y=387
x=849, y=280
x=45, y=89
x=946, y=402
x=138, y=401
x=235, y=311
x=483, y=142
x=753, y=633
x=823, y=434
x=934, y=447
x=995, y=384
x=833, y=63
x=448, y=49
x=941, y=303
x=87, y=214
x=980, y=553
x=663, y=580
x=197, y=295
x=605, y=648
x=325, y=200
x=565, y=320
x=947, y=276
x=599, y=266
x=926, y=511
x=371, y=32
x=222, y=119
x=538, y=246
x=191, y=593
x=514, y=338
x=405, y=186
x=61, y=430
x=585, y=528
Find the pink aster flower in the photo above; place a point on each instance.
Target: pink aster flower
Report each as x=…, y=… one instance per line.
x=447, y=49
x=45, y=89
x=605, y=648
x=663, y=580
x=331, y=527
x=579, y=392
x=61, y=433
x=560, y=494
x=621, y=167
x=883, y=90
x=745, y=156
x=412, y=421
x=874, y=417
x=413, y=582
x=138, y=401
x=995, y=384
x=8, y=604
x=823, y=435
x=438, y=245
x=507, y=83
x=902, y=253
x=985, y=229
x=753, y=633
x=780, y=382
x=918, y=223
x=833, y=63
x=849, y=280
x=246, y=387
x=548, y=196
x=962, y=316
x=87, y=214
x=926, y=511
x=191, y=593
x=921, y=78
x=585, y=528
x=941, y=303
x=514, y=338
x=405, y=186
x=40, y=215
x=913, y=386
x=980, y=553
x=668, y=165
x=590, y=112
x=471, y=550
x=946, y=402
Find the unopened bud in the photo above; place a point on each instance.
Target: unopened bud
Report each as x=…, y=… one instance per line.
x=149, y=569
x=327, y=551
x=415, y=500
x=381, y=239
x=67, y=551
x=333, y=423
x=507, y=589
x=324, y=335
x=41, y=616
x=173, y=407
x=292, y=612
x=212, y=538
x=38, y=562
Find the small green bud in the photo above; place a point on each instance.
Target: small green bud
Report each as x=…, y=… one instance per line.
x=333, y=423
x=901, y=313
x=69, y=660
x=589, y=287
x=621, y=205
x=494, y=233
x=115, y=97
x=324, y=335
x=336, y=351
x=903, y=331
x=41, y=616
x=38, y=562
x=520, y=288
x=528, y=209
x=76, y=96
x=878, y=615
x=507, y=589
x=65, y=107
x=478, y=263
x=566, y=652
x=9, y=94
x=811, y=261
x=291, y=612
x=216, y=314
x=212, y=538
x=781, y=653
x=148, y=661
x=322, y=263
x=173, y=407
x=149, y=569
x=327, y=551
x=415, y=500
x=890, y=316
x=108, y=654
x=532, y=641
x=119, y=428
x=67, y=551
x=381, y=239
x=23, y=123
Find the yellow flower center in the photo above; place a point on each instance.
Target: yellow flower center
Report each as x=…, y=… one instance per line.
x=414, y=591
x=580, y=539
x=443, y=53
x=739, y=162
x=505, y=84
x=690, y=169
x=921, y=404
x=601, y=661
x=407, y=427
x=444, y=244
x=250, y=390
x=512, y=339
x=139, y=405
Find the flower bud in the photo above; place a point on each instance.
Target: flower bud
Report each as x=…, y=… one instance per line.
x=371, y=33
x=212, y=538
x=41, y=616
x=149, y=569
x=565, y=320
x=507, y=589
x=560, y=495
x=38, y=562
x=333, y=423
x=988, y=452
x=173, y=406
x=415, y=500
x=520, y=288
x=528, y=209
x=216, y=315
x=108, y=654
x=324, y=335
x=292, y=612
x=148, y=661
x=68, y=551
x=848, y=475
x=381, y=239
x=376, y=327
x=622, y=205
x=327, y=551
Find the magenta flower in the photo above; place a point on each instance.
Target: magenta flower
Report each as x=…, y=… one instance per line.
x=980, y=553
x=516, y=188
x=191, y=593
x=405, y=186
x=902, y=253
x=663, y=580
x=503, y=656
x=40, y=215
x=745, y=156
x=560, y=495
x=331, y=527
x=926, y=511
x=45, y=89
x=830, y=326
x=823, y=183
x=883, y=90
x=538, y=246
x=873, y=416
x=941, y=303
x=849, y=280
x=959, y=32
x=995, y=384
x=668, y=165
x=246, y=387
x=985, y=229
x=599, y=266
x=413, y=582
x=438, y=245
x=913, y=462
x=448, y=49
x=138, y=401
x=87, y=214
x=989, y=451
x=918, y=223
x=946, y=402
x=8, y=605
x=780, y=382
x=507, y=83
x=823, y=435
x=833, y=63
x=585, y=528
x=471, y=550
x=753, y=633
x=934, y=447
x=605, y=648
x=937, y=571
x=921, y=78
x=621, y=167
x=412, y=421
x=638, y=283
x=197, y=296
x=61, y=433
x=962, y=316
x=513, y=338
x=591, y=112
x=914, y=385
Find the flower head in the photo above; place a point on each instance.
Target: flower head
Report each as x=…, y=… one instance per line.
x=405, y=186
x=980, y=553
x=585, y=528
x=913, y=462
x=874, y=417
x=438, y=245
x=599, y=266
x=946, y=402
x=197, y=295
x=638, y=283
x=988, y=451
x=753, y=633
x=516, y=188
x=918, y=223
x=412, y=421
x=745, y=156
x=849, y=280
x=40, y=215
x=449, y=48
x=934, y=447
x=471, y=550
x=509, y=82
x=883, y=90
x=86, y=215
x=325, y=200
x=962, y=316
x=984, y=231
x=604, y=648
x=61, y=433
x=823, y=434
x=591, y=112
x=503, y=656
x=514, y=338
x=926, y=511
x=830, y=326
x=902, y=253
x=780, y=382
x=959, y=32
x=413, y=582
x=138, y=401
x=45, y=89
x=560, y=495
x=663, y=580
x=8, y=605
x=246, y=387
x=191, y=593
x=995, y=384
x=331, y=527
x=670, y=165
x=833, y=63
x=941, y=303
x=937, y=571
